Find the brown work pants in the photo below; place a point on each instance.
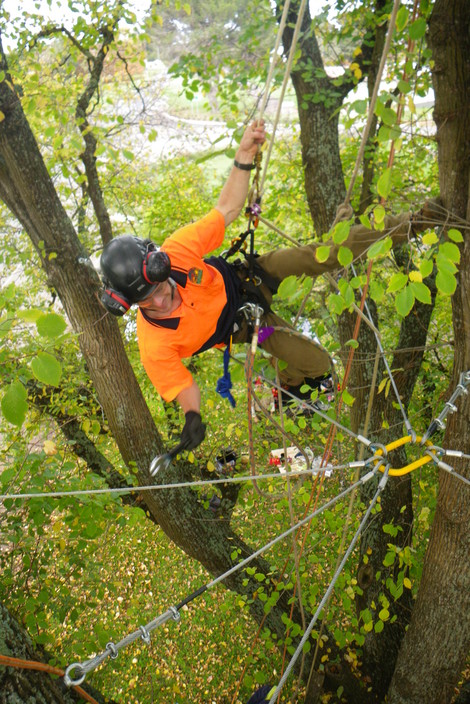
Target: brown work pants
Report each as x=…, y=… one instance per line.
x=305, y=357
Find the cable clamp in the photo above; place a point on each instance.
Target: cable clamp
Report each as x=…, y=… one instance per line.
x=364, y=440
x=145, y=635
x=175, y=614
x=439, y=463
x=367, y=476
x=113, y=653
x=384, y=479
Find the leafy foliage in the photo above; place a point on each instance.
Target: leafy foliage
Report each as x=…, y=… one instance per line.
x=93, y=568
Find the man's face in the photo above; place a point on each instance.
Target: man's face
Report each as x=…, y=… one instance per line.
x=160, y=301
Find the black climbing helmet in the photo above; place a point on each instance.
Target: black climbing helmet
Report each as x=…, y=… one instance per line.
x=132, y=268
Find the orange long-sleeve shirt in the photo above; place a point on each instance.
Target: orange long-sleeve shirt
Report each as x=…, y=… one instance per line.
x=164, y=343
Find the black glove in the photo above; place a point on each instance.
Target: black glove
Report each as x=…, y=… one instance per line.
x=194, y=431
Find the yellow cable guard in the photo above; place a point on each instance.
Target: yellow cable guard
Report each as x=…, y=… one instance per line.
x=409, y=467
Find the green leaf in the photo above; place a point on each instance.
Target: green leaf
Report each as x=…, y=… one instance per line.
x=347, y=398
x=397, y=282
x=345, y=256
x=418, y=29
x=455, y=235
x=376, y=291
x=380, y=248
x=288, y=287
x=426, y=267
x=5, y=326
x=14, y=405
x=47, y=369
x=402, y=18
x=322, y=253
x=430, y=238
x=404, y=301
x=445, y=265
x=384, y=184
x=421, y=292
x=446, y=283
x=51, y=325
x=336, y=303
x=450, y=251
x=31, y=315
x=360, y=106
x=379, y=214
x=389, y=117
x=404, y=87
x=379, y=626
x=341, y=231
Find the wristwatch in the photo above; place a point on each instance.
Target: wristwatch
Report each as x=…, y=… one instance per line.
x=244, y=167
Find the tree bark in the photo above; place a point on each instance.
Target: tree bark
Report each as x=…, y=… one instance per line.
x=26, y=188
x=438, y=639
x=24, y=686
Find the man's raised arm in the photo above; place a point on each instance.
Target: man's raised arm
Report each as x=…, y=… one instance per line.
x=233, y=195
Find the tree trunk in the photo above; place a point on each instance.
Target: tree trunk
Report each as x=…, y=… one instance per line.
x=28, y=686
x=438, y=639
x=26, y=188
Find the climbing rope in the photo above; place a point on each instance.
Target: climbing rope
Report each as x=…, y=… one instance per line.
x=76, y=672
x=23, y=664
x=344, y=208
x=329, y=591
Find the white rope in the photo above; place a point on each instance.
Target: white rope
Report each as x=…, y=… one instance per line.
x=290, y=61
x=373, y=99
x=282, y=24
x=112, y=650
x=180, y=485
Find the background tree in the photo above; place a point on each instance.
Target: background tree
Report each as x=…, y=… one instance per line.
x=27, y=190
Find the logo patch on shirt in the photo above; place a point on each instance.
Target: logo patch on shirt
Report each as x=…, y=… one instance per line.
x=195, y=275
